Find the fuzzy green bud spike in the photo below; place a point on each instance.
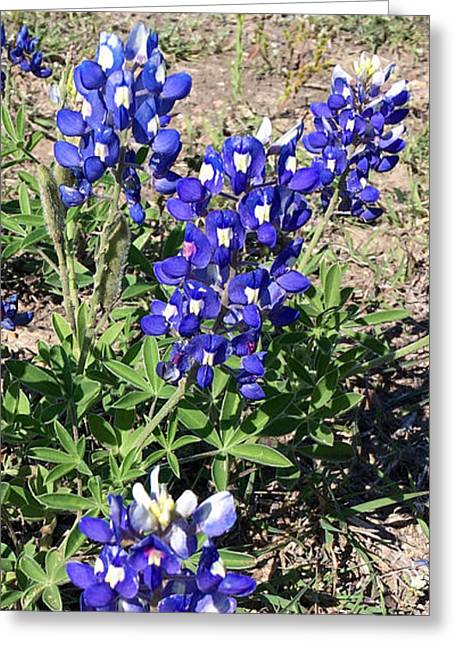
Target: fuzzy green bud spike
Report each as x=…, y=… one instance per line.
x=114, y=246
x=54, y=218
x=53, y=209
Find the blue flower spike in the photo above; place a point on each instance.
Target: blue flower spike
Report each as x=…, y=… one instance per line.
x=142, y=563
x=126, y=94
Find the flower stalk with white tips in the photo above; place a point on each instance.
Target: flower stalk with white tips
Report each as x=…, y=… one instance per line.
x=143, y=564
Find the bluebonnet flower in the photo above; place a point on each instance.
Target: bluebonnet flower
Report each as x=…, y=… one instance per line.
x=10, y=317
x=23, y=52
x=26, y=54
x=146, y=547
x=243, y=247
x=357, y=131
x=124, y=89
x=211, y=590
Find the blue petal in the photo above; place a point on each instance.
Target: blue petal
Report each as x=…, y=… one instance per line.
x=305, y=180
x=67, y=154
x=98, y=595
x=293, y=281
x=166, y=142
x=71, y=123
x=216, y=515
x=180, y=210
x=237, y=584
x=215, y=602
x=252, y=391
x=71, y=196
x=190, y=189
x=282, y=316
x=96, y=529
x=175, y=603
x=137, y=213
x=80, y=574
x=168, y=184
x=88, y=75
x=93, y=168
x=267, y=234
x=177, y=86
x=154, y=325
x=204, y=376
x=254, y=365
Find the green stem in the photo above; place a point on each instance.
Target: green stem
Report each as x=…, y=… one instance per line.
x=49, y=261
x=389, y=357
x=319, y=230
x=171, y=403
x=64, y=279
x=68, y=239
x=94, y=301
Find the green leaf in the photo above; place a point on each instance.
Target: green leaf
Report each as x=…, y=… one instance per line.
x=230, y=406
x=110, y=335
x=65, y=501
x=220, y=472
x=324, y=389
x=266, y=413
x=65, y=439
x=58, y=472
x=31, y=595
x=220, y=379
x=260, y=454
x=184, y=440
x=383, y=316
x=102, y=430
x=281, y=426
x=73, y=541
x=61, y=327
x=379, y=503
x=35, y=378
x=332, y=283
x=86, y=393
x=24, y=201
x=20, y=123
x=237, y=560
x=128, y=374
x=81, y=323
x=51, y=597
x=8, y=123
x=32, y=569
x=173, y=463
x=53, y=455
x=340, y=451
x=191, y=417
x=342, y=403
x=130, y=400
x=151, y=356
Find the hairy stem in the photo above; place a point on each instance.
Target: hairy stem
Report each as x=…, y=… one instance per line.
x=171, y=403
x=94, y=301
x=68, y=238
x=319, y=230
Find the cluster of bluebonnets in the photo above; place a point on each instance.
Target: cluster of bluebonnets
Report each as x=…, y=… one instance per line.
x=227, y=289
x=235, y=270
x=159, y=555
x=23, y=51
x=126, y=95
